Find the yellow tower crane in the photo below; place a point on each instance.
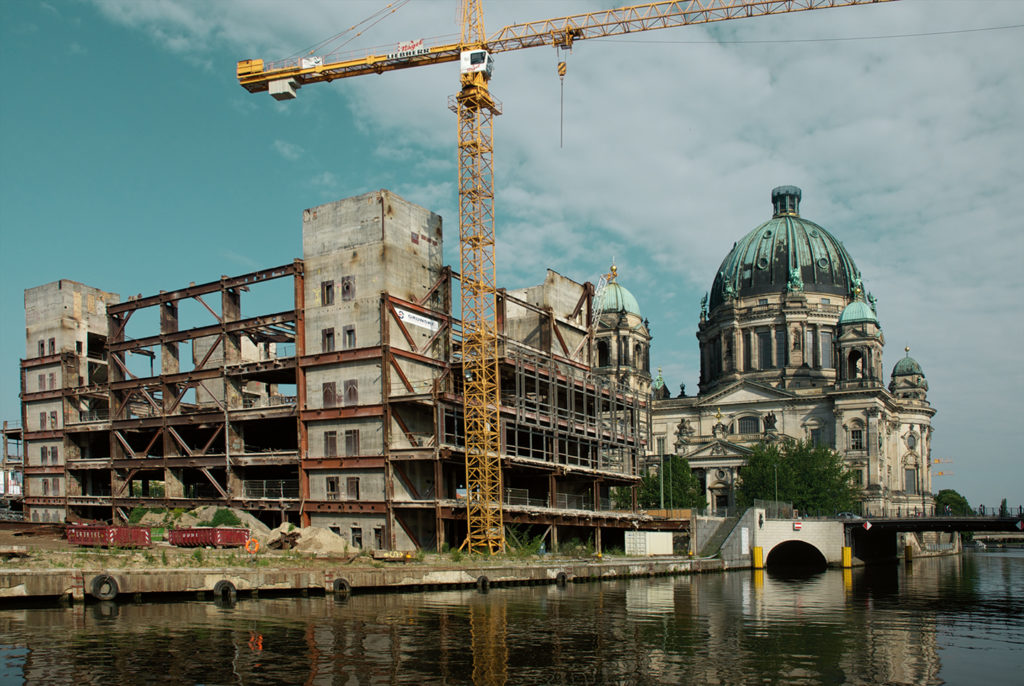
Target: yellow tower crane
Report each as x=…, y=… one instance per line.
x=476, y=109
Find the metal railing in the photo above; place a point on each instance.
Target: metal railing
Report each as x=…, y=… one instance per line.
x=271, y=489
x=268, y=401
x=521, y=496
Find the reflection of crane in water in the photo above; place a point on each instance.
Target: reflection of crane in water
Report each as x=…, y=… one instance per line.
x=488, y=629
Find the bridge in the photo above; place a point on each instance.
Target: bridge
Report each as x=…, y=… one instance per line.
x=757, y=540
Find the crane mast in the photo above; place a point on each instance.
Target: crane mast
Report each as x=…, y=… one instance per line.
x=476, y=109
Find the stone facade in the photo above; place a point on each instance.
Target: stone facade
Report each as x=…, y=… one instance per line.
x=791, y=347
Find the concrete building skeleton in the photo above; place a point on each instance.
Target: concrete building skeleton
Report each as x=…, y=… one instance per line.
x=341, y=411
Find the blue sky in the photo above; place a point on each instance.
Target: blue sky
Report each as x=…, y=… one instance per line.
x=132, y=161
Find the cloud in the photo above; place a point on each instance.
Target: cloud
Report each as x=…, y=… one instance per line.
x=287, y=150
x=904, y=149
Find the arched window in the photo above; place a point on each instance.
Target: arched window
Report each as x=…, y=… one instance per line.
x=749, y=425
x=855, y=365
x=602, y=354
x=638, y=355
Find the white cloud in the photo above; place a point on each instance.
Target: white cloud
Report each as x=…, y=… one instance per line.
x=906, y=150
x=287, y=150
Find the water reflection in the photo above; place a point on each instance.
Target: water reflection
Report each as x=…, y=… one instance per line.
x=883, y=625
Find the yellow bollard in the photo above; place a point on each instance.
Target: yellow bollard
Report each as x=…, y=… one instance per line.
x=758, y=557
x=847, y=557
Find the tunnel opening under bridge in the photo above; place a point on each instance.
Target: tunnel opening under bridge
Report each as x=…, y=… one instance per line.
x=795, y=558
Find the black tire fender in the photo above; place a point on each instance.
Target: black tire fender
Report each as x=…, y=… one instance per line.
x=103, y=587
x=483, y=584
x=341, y=587
x=562, y=579
x=224, y=589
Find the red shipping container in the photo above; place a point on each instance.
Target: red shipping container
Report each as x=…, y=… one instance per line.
x=108, y=536
x=217, y=537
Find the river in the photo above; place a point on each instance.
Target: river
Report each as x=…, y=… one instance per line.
x=954, y=620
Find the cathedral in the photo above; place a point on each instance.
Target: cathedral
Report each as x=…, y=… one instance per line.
x=791, y=346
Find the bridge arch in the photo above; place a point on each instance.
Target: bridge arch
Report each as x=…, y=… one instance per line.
x=793, y=556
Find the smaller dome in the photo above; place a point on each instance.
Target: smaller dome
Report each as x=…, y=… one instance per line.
x=856, y=312
x=908, y=366
x=615, y=298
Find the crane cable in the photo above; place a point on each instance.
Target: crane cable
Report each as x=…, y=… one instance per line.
x=561, y=97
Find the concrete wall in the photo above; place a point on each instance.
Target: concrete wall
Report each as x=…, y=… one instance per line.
x=828, y=537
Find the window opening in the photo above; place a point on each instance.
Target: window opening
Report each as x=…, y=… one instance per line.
x=348, y=287
x=352, y=392
x=764, y=350
x=326, y=293
x=351, y=441
x=352, y=487
x=826, y=350
x=327, y=340
x=349, y=337
x=857, y=439
x=332, y=488
x=910, y=481
x=330, y=444
x=330, y=394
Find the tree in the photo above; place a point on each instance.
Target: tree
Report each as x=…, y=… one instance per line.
x=682, y=489
x=812, y=477
x=957, y=504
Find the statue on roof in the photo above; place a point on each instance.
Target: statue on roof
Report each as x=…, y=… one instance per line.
x=795, y=282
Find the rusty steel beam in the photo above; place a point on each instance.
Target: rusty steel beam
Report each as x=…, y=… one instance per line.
x=225, y=283
x=241, y=325
x=317, y=463
x=342, y=413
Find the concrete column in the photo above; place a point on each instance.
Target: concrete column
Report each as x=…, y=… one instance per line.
x=174, y=487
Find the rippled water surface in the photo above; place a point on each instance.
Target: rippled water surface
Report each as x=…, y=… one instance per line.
x=957, y=620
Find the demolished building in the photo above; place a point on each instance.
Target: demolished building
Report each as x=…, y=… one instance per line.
x=341, y=410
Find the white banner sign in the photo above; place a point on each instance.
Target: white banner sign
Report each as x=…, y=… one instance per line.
x=417, y=319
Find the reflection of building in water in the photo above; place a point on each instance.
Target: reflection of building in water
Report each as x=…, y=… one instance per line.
x=651, y=597
x=710, y=629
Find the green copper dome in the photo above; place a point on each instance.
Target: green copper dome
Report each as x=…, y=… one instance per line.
x=857, y=311
x=616, y=298
x=908, y=366
x=786, y=253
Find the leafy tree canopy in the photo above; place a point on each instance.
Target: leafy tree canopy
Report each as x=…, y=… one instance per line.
x=958, y=504
x=812, y=477
x=681, y=487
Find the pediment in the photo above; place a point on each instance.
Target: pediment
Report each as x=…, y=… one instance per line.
x=744, y=392
x=718, y=448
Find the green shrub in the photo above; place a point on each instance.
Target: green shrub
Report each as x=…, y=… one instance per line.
x=222, y=517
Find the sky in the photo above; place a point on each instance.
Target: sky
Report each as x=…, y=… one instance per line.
x=131, y=160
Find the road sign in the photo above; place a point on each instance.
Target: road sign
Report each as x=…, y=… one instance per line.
x=867, y=526
x=797, y=526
